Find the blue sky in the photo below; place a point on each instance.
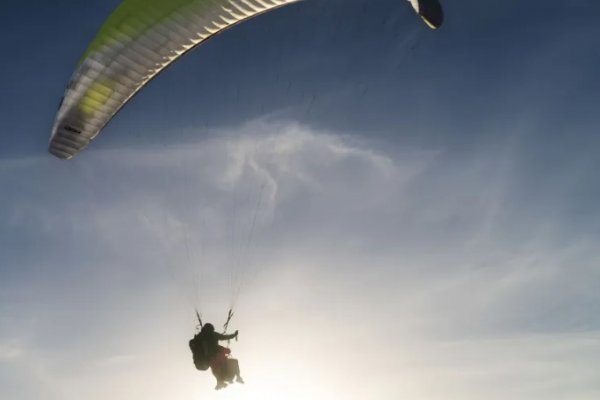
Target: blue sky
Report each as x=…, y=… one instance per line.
x=429, y=205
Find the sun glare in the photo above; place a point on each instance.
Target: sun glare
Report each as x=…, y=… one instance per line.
x=265, y=390
x=290, y=383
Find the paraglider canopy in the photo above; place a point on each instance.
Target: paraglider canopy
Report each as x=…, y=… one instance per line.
x=430, y=11
x=139, y=40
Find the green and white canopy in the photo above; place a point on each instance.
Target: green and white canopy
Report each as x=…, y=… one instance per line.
x=138, y=41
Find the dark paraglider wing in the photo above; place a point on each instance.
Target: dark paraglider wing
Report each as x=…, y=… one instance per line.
x=430, y=11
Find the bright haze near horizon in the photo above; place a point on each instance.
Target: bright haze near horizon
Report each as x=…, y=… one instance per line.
x=428, y=220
